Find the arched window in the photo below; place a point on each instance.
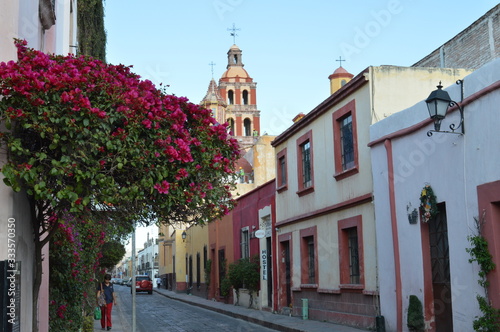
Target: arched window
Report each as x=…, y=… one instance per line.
x=230, y=127
x=248, y=124
x=230, y=97
x=343, y=82
x=245, y=97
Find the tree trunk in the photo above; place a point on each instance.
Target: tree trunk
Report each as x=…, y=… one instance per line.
x=37, y=280
x=38, y=213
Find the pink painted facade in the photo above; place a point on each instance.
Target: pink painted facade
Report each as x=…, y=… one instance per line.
x=50, y=29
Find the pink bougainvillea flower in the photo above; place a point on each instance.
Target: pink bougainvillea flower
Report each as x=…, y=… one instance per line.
x=162, y=187
x=181, y=173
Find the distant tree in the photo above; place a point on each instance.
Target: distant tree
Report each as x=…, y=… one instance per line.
x=112, y=254
x=91, y=31
x=86, y=138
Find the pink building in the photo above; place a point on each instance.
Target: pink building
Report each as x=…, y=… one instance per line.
x=49, y=26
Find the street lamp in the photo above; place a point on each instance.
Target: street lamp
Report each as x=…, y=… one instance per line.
x=184, y=235
x=438, y=103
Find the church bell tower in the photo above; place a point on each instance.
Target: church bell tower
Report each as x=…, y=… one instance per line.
x=239, y=91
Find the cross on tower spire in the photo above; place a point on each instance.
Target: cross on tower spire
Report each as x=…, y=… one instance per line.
x=233, y=32
x=212, y=64
x=340, y=60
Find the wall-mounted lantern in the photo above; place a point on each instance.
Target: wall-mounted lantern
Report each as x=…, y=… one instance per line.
x=438, y=103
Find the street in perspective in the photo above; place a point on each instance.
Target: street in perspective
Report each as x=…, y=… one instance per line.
x=166, y=310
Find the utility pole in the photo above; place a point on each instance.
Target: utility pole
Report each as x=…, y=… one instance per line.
x=132, y=285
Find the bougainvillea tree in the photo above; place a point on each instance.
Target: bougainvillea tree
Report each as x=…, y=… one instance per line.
x=83, y=136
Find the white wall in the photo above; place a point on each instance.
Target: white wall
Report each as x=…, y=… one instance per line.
x=454, y=166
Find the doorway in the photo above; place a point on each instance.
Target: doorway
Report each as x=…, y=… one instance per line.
x=269, y=273
x=440, y=264
x=285, y=274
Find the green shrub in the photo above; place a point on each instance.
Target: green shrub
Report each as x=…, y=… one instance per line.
x=415, y=319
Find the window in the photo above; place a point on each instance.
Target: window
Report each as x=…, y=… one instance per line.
x=281, y=171
x=198, y=270
x=351, y=253
x=352, y=234
x=245, y=97
x=245, y=245
x=305, y=164
x=230, y=97
x=305, y=150
x=230, y=122
x=205, y=258
x=247, y=124
x=308, y=257
x=345, y=141
x=190, y=276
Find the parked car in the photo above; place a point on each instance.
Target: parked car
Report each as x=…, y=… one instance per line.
x=143, y=283
x=127, y=282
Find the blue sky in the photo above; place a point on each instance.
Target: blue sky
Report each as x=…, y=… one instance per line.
x=289, y=47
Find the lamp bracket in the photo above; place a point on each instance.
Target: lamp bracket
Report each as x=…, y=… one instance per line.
x=453, y=128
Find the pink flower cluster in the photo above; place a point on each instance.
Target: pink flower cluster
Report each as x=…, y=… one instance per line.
x=162, y=187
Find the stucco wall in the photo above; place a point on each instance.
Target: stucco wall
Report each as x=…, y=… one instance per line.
x=20, y=19
x=454, y=166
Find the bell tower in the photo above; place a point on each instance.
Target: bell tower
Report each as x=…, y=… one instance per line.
x=239, y=92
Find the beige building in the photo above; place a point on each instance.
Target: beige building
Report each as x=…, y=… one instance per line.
x=325, y=218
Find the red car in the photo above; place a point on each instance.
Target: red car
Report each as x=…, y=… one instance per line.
x=143, y=284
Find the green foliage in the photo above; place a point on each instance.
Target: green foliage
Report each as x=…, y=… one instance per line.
x=225, y=287
x=244, y=273
x=415, y=320
x=112, y=254
x=73, y=256
x=490, y=319
x=479, y=253
x=208, y=274
x=91, y=31
x=88, y=324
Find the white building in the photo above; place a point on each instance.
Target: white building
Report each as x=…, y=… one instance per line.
x=429, y=259
x=147, y=258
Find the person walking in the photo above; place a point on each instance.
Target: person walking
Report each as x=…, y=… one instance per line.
x=106, y=288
